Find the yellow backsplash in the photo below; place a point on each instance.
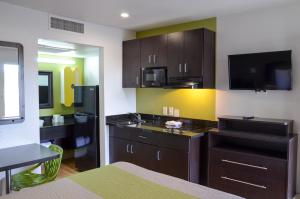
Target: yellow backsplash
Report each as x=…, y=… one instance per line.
x=192, y=103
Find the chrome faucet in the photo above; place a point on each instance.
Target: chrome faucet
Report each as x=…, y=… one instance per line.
x=138, y=117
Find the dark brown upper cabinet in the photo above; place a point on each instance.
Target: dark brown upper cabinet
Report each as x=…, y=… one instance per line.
x=131, y=64
x=175, y=54
x=189, y=57
x=154, y=51
x=191, y=54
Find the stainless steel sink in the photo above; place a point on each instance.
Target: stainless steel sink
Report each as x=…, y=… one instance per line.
x=126, y=123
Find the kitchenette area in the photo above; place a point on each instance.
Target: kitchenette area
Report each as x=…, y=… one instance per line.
x=176, y=130
x=174, y=77
x=177, y=149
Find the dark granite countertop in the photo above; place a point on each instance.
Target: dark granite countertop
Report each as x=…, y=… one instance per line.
x=68, y=120
x=49, y=125
x=156, y=123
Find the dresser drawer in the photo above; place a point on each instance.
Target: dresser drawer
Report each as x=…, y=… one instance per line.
x=144, y=136
x=238, y=187
x=122, y=132
x=247, y=175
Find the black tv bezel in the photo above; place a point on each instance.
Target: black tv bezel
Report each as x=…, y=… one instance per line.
x=260, y=89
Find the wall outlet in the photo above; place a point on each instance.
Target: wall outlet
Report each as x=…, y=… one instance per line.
x=176, y=112
x=171, y=111
x=165, y=110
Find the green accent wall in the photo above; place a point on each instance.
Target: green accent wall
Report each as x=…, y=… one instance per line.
x=210, y=23
x=192, y=103
x=56, y=69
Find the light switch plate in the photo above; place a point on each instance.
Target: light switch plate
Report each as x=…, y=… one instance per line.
x=165, y=110
x=176, y=112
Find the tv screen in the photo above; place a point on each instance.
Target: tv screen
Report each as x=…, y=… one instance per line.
x=261, y=71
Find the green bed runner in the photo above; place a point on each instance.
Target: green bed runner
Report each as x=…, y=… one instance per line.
x=111, y=182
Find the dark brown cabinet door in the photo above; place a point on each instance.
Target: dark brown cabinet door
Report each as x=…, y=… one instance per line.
x=185, y=54
x=146, y=52
x=131, y=64
x=119, y=150
x=160, y=50
x=173, y=163
x=209, y=59
x=193, y=53
x=175, y=54
x=154, y=51
x=144, y=155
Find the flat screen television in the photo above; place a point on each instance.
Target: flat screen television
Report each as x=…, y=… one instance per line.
x=261, y=71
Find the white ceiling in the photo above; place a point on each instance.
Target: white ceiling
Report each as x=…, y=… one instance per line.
x=144, y=13
x=51, y=47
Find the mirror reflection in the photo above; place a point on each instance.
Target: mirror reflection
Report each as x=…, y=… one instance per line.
x=9, y=82
x=45, y=89
x=10, y=85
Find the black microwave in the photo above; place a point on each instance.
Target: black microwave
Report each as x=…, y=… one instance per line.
x=154, y=77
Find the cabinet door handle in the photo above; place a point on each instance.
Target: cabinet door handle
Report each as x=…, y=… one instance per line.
x=142, y=137
x=243, y=164
x=243, y=182
x=137, y=80
x=154, y=59
x=142, y=77
x=131, y=149
x=180, y=68
x=185, y=67
x=158, y=155
x=149, y=59
x=127, y=148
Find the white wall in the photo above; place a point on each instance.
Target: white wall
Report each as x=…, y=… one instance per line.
x=264, y=30
x=91, y=71
x=27, y=26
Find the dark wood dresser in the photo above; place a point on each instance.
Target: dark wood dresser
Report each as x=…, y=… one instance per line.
x=255, y=158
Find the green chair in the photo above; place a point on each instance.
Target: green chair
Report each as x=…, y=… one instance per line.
x=29, y=179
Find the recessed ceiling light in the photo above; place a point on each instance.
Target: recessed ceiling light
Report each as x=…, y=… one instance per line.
x=124, y=15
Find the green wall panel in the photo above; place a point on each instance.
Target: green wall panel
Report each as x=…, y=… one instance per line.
x=192, y=103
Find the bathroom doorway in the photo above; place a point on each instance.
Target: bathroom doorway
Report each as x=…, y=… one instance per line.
x=68, y=80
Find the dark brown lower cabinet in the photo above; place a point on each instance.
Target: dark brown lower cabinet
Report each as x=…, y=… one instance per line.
x=119, y=150
x=173, y=155
x=173, y=163
x=144, y=155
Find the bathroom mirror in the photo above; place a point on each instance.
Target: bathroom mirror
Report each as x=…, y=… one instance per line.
x=45, y=81
x=12, y=108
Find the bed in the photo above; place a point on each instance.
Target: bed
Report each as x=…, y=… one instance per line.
x=120, y=181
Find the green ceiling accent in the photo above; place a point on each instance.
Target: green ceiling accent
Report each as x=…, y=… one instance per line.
x=209, y=23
